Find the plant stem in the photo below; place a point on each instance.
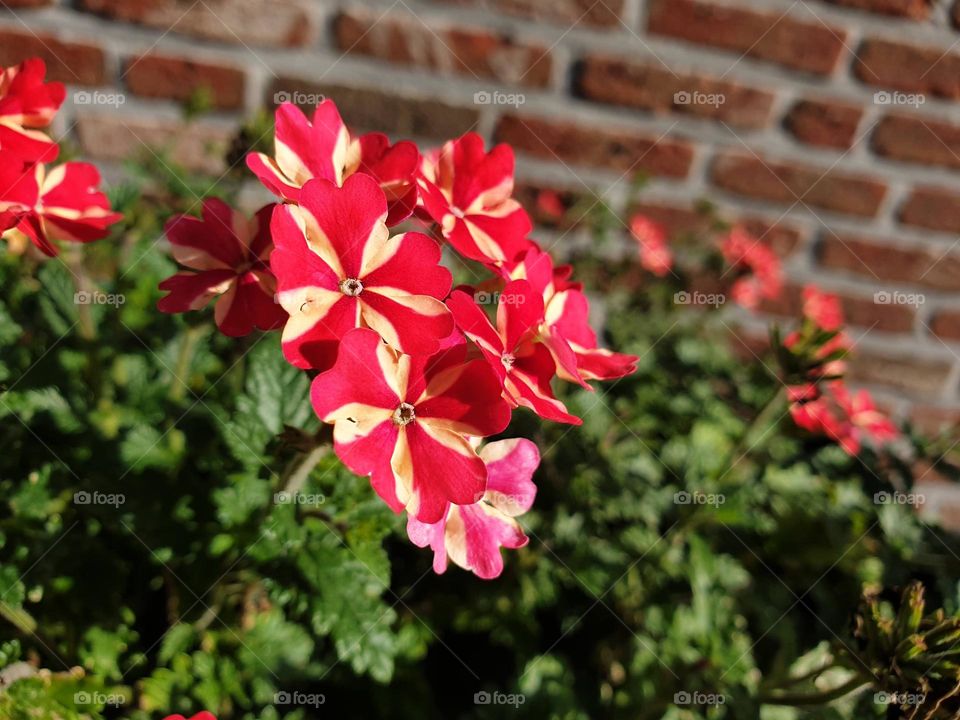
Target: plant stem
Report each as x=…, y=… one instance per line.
x=766, y=420
x=296, y=476
x=191, y=337
x=82, y=285
x=857, y=682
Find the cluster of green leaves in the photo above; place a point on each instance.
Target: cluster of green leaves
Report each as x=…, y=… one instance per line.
x=691, y=555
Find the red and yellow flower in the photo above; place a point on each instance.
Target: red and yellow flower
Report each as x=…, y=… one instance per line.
x=27, y=103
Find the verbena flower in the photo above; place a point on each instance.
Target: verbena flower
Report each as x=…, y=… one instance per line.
x=27, y=104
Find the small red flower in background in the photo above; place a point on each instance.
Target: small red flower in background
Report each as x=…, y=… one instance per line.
x=849, y=418
x=26, y=104
x=822, y=308
x=472, y=535
x=199, y=716
x=227, y=255
x=405, y=421
x=61, y=203
x=323, y=148
x=338, y=268
x=466, y=191
x=821, y=311
x=655, y=256
x=524, y=367
x=763, y=280
x=551, y=205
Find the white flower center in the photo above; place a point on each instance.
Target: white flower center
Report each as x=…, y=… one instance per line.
x=508, y=360
x=351, y=287
x=404, y=415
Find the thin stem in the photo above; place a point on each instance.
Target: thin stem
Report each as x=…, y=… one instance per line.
x=188, y=346
x=296, y=476
x=855, y=683
x=83, y=288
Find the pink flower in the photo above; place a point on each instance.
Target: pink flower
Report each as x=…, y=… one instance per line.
x=406, y=421
x=467, y=192
x=655, y=256
x=199, y=716
x=338, y=268
x=824, y=312
x=565, y=329
x=323, y=148
x=27, y=103
x=226, y=254
x=763, y=279
x=472, y=535
x=524, y=366
x=822, y=308
x=550, y=204
x=63, y=203
x=850, y=419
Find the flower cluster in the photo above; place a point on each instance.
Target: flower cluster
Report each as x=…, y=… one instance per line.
x=413, y=373
x=760, y=277
x=822, y=403
x=43, y=203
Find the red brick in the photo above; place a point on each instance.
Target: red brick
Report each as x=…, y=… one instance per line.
x=155, y=76
x=857, y=310
x=824, y=122
x=655, y=88
x=915, y=9
x=912, y=69
x=400, y=114
x=775, y=37
x=198, y=146
x=788, y=182
x=69, y=62
x=879, y=260
x=955, y=13
x=283, y=23
x=933, y=208
x=918, y=140
x=622, y=150
x=946, y=324
x=933, y=419
x=27, y=3
x=570, y=13
x=904, y=373
x=472, y=52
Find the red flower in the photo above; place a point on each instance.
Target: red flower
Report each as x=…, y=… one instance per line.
x=763, y=279
x=27, y=103
x=822, y=308
x=472, y=535
x=63, y=203
x=404, y=421
x=823, y=311
x=525, y=367
x=850, y=419
x=199, y=716
x=565, y=329
x=337, y=268
x=467, y=192
x=228, y=256
x=655, y=256
x=324, y=149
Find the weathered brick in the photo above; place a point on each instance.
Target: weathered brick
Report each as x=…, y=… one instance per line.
x=946, y=324
x=472, y=52
x=917, y=70
x=369, y=109
x=788, y=182
x=883, y=261
x=904, y=373
x=933, y=419
x=570, y=13
x=283, y=23
x=622, y=150
x=156, y=76
x=857, y=310
x=933, y=208
x=75, y=63
x=824, y=122
x=918, y=140
x=27, y=3
x=199, y=145
x=915, y=9
x=812, y=47
x=650, y=87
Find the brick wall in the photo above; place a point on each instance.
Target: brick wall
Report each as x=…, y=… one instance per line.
x=831, y=126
